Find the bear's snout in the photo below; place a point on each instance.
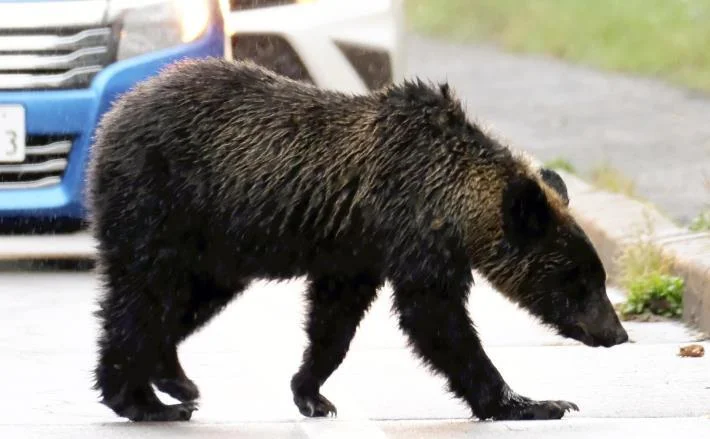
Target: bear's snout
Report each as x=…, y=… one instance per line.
x=602, y=328
x=598, y=325
x=613, y=337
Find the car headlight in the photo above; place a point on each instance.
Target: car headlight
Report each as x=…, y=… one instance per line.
x=149, y=25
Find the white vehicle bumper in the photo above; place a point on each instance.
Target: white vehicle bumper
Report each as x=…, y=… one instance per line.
x=330, y=38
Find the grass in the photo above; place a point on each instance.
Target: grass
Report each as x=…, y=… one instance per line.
x=645, y=273
x=610, y=179
x=701, y=223
x=561, y=164
x=663, y=38
x=658, y=294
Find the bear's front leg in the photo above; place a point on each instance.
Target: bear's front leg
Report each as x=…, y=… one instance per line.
x=433, y=315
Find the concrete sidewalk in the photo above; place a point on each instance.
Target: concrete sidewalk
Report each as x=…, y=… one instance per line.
x=244, y=360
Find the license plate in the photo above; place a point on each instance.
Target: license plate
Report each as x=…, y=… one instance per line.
x=12, y=133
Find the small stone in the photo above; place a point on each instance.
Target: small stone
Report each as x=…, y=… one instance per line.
x=693, y=350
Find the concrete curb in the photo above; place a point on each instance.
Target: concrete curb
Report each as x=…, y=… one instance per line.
x=612, y=220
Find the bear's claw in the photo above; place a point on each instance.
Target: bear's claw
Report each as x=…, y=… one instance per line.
x=316, y=406
x=527, y=409
x=183, y=390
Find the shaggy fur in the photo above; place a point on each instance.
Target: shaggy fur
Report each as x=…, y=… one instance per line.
x=215, y=173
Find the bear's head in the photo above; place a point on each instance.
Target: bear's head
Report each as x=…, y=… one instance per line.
x=555, y=271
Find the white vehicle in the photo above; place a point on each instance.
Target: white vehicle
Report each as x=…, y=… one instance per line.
x=349, y=45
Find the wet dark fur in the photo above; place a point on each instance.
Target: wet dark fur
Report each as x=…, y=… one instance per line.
x=216, y=173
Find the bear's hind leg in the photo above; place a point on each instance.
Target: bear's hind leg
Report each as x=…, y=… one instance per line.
x=139, y=323
x=128, y=353
x=207, y=300
x=336, y=307
x=169, y=377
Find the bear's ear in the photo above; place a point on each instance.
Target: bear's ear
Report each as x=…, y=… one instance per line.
x=526, y=212
x=553, y=179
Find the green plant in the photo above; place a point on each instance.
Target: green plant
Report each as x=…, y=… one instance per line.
x=641, y=259
x=610, y=179
x=561, y=164
x=701, y=223
x=645, y=273
x=657, y=293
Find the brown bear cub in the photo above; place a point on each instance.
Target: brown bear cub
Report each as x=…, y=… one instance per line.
x=216, y=173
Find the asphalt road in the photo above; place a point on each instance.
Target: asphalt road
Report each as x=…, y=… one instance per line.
x=653, y=133
x=244, y=360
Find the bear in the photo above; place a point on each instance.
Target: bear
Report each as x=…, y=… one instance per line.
x=215, y=173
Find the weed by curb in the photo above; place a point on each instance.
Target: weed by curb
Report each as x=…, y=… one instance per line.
x=645, y=273
x=610, y=179
x=701, y=223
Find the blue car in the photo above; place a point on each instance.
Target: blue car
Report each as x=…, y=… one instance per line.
x=62, y=63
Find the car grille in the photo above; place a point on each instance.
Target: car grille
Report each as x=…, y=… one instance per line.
x=44, y=165
x=53, y=59
x=273, y=52
x=240, y=5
